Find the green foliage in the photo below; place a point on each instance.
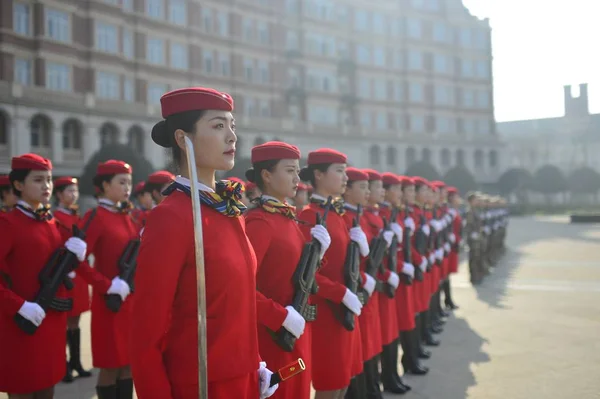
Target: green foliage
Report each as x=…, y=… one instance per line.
x=513, y=180
x=460, y=177
x=140, y=165
x=584, y=181
x=548, y=179
x=423, y=169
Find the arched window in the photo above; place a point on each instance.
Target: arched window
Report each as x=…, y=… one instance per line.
x=411, y=156
x=460, y=157
x=445, y=160
x=375, y=155
x=478, y=158
x=493, y=159
x=3, y=128
x=71, y=134
x=109, y=134
x=135, y=138
x=41, y=127
x=391, y=155
x=426, y=155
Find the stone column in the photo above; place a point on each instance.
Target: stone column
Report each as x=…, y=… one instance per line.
x=91, y=141
x=56, y=139
x=20, y=142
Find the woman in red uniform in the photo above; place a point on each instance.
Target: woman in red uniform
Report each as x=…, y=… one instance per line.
x=332, y=344
x=66, y=191
x=278, y=242
x=144, y=204
x=156, y=183
x=301, y=197
x=7, y=196
x=30, y=365
x=365, y=384
x=454, y=237
x=165, y=314
x=108, y=232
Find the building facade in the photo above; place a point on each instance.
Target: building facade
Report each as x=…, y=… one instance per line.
x=389, y=82
x=569, y=142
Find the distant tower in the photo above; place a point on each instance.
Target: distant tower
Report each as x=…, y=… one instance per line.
x=576, y=106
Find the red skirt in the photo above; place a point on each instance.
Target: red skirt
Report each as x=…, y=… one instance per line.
x=445, y=267
x=370, y=328
x=110, y=334
x=405, y=307
x=436, y=274
x=245, y=387
x=81, y=297
x=453, y=262
x=389, y=319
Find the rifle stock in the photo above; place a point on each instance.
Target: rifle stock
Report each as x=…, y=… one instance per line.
x=127, y=267
x=406, y=280
x=392, y=256
x=352, y=275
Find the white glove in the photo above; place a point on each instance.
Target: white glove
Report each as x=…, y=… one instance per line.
x=294, y=322
x=436, y=224
x=388, y=236
x=369, y=284
x=119, y=287
x=321, y=234
x=447, y=247
x=408, y=269
x=397, y=230
x=352, y=302
x=474, y=235
x=359, y=237
x=410, y=223
x=77, y=246
x=452, y=212
x=486, y=229
x=32, y=312
x=71, y=274
x=439, y=254
x=432, y=258
x=452, y=238
x=425, y=229
x=423, y=265
x=393, y=280
x=264, y=379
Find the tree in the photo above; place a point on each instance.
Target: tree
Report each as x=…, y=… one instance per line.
x=514, y=180
x=423, y=169
x=548, y=180
x=584, y=181
x=460, y=177
x=140, y=165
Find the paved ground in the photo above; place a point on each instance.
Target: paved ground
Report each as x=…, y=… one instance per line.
x=529, y=331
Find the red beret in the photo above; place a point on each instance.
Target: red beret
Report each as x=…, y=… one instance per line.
x=64, y=181
x=238, y=180
x=194, y=99
x=161, y=177
x=452, y=190
x=250, y=186
x=373, y=174
x=390, y=179
x=302, y=187
x=274, y=150
x=326, y=156
x=4, y=181
x=112, y=167
x=139, y=188
x=438, y=184
x=407, y=181
x=419, y=181
x=31, y=162
x=355, y=174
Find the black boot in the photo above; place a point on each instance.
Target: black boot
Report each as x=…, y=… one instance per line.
x=448, y=296
x=74, y=342
x=356, y=389
x=422, y=352
x=438, y=303
x=373, y=390
x=410, y=359
x=389, y=370
x=125, y=389
x=108, y=392
x=425, y=330
x=68, y=378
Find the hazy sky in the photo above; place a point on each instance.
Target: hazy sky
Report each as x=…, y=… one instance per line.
x=539, y=46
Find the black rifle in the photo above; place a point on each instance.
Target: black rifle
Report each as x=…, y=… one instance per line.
x=52, y=276
x=375, y=259
x=127, y=266
x=420, y=245
x=392, y=256
x=352, y=276
x=406, y=280
x=305, y=284
x=437, y=239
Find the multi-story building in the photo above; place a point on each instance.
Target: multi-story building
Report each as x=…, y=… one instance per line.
x=387, y=82
x=569, y=142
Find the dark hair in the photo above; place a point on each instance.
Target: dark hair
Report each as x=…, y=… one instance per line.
x=349, y=183
x=4, y=190
x=99, y=179
x=308, y=173
x=254, y=175
x=419, y=186
x=163, y=133
x=18, y=175
x=60, y=189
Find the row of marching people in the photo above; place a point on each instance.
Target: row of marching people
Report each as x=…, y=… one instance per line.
x=340, y=284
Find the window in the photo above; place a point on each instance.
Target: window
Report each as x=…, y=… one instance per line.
x=415, y=60
x=106, y=38
x=265, y=108
x=249, y=106
x=179, y=56
x=443, y=95
x=465, y=37
x=127, y=5
x=58, y=76
x=263, y=70
x=248, y=30
x=322, y=115
x=361, y=20
x=481, y=39
x=207, y=20
x=223, y=21
x=155, y=9
x=177, y=12
x=469, y=126
x=445, y=157
x=380, y=89
x=493, y=158
x=107, y=85
x=468, y=98
x=208, y=61
x=440, y=32
x=413, y=26
x=379, y=23
x=441, y=63
x=417, y=123
x=483, y=99
x=433, y=5
x=128, y=90
x=444, y=124
x=291, y=6
x=381, y=121
x=379, y=56
x=484, y=126
x=482, y=70
x=127, y=44
x=40, y=131
x=418, y=4
x=156, y=51
x=22, y=19
x=375, y=155
x=365, y=119
x=399, y=122
x=398, y=92
x=364, y=88
x=391, y=155
x=291, y=40
x=478, y=158
x=416, y=92
x=466, y=68
x=263, y=32
x=249, y=70
x=23, y=71
x=155, y=92
x=225, y=64
x=363, y=54
x=71, y=134
x=57, y=25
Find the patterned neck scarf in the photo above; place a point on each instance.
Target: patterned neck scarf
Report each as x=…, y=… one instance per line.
x=42, y=214
x=71, y=210
x=337, y=204
x=226, y=199
x=374, y=209
x=5, y=209
x=273, y=205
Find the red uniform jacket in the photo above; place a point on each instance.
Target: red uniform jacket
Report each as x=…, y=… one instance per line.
x=278, y=244
x=164, y=359
x=140, y=216
x=28, y=363
x=419, y=287
x=433, y=272
x=107, y=236
x=370, y=323
x=331, y=343
x=387, y=306
x=405, y=307
x=453, y=259
x=80, y=293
